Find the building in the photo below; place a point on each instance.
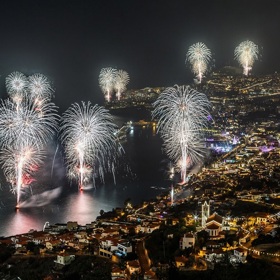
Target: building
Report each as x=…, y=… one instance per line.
x=72, y=225
x=187, y=241
x=124, y=248
x=148, y=227
x=205, y=213
x=214, y=225
x=215, y=255
x=261, y=218
x=240, y=254
x=64, y=258
x=107, y=246
x=117, y=273
x=52, y=243
x=133, y=267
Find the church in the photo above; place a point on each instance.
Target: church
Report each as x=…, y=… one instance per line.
x=214, y=224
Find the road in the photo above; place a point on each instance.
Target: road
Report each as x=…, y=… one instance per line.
x=143, y=256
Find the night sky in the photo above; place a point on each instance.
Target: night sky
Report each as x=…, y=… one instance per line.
x=70, y=41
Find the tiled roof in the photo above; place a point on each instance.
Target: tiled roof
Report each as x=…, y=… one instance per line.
x=212, y=226
x=215, y=217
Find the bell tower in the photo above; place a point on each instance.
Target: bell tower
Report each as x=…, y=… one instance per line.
x=205, y=213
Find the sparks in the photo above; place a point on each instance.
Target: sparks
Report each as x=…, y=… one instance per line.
x=246, y=53
x=87, y=133
x=198, y=56
x=121, y=81
x=182, y=113
x=107, y=80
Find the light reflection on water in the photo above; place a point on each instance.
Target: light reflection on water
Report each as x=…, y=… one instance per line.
x=143, y=152
x=80, y=206
x=19, y=222
x=84, y=207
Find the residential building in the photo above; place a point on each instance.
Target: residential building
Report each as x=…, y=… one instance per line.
x=64, y=258
x=187, y=241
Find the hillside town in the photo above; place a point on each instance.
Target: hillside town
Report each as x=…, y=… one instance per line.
x=228, y=211
x=143, y=240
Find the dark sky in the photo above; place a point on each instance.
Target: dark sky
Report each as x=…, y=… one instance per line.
x=70, y=41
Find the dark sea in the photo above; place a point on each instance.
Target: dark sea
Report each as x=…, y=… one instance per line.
x=140, y=176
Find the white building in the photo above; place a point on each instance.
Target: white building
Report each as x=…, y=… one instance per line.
x=124, y=248
x=187, y=241
x=64, y=258
x=215, y=255
x=214, y=225
x=107, y=245
x=240, y=254
x=205, y=213
x=148, y=227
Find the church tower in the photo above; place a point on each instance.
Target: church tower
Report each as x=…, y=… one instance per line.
x=205, y=213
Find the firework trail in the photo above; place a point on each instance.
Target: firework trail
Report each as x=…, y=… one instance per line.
x=246, y=53
x=20, y=162
x=182, y=114
x=121, y=81
x=54, y=160
x=87, y=133
x=198, y=56
x=107, y=81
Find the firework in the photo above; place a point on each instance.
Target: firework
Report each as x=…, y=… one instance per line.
x=198, y=56
x=246, y=53
x=23, y=131
x=107, y=80
x=39, y=89
x=26, y=122
x=172, y=195
x=19, y=162
x=87, y=133
x=185, y=148
x=16, y=84
x=121, y=80
x=182, y=114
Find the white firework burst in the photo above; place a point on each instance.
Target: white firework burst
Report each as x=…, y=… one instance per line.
x=28, y=122
x=107, y=81
x=246, y=53
x=198, y=56
x=87, y=133
x=16, y=84
x=121, y=81
x=39, y=88
x=182, y=114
